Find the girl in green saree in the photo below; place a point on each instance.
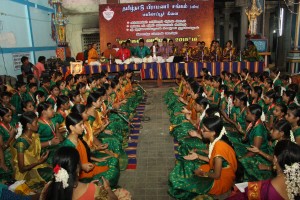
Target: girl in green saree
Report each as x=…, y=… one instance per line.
x=280, y=131
x=238, y=112
x=7, y=137
x=255, y=135
x=270, y=102
x=214, y=96
x=256, y=95
x=52, y=98
x=28, y=164
x=63, y=109
x=288, y=98
x=48, y=131
x=293, y=116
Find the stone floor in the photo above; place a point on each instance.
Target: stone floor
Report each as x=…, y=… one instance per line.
x=155, y=154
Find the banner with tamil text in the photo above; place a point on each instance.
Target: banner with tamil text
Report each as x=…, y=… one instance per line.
x=181, y=21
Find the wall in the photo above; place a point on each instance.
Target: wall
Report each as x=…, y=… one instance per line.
x=25, y=27
x=74, y=29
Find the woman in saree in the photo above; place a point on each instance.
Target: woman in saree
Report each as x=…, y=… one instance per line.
x=52, y=98
x=49, y=134
x=92, y=167
x=198, y=174
x=238, y=113
x=81, y=88
x=28, y=164
x=256, y=95
x=7, y=137
x=188, y=133
x=280, y=131
x=214, y=96
x=99, y=123
x=63, y=109
x=293, y=117
x=284, y=186
x=98, y=149
x=270, y=102
x=256, y=135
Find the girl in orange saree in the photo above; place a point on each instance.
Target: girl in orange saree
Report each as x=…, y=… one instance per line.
x=192, y=175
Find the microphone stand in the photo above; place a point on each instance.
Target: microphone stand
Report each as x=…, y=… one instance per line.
x=122, y=117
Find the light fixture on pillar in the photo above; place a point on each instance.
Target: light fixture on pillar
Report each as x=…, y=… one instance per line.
x=280, y=22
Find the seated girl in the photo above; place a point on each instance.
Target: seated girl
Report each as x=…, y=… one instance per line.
x=286, y=163
x=52, y=98
x=293, y=117
x=255, y=135
x=280, y=131
x=105, y=166
x=7, y=137
x=66, y=186
x=48, y=131
x=27, y=162
x=63, y=109
x=193, y=176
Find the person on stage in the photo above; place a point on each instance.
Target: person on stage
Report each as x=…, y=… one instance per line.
x=155, y=44
x=250, y=54
x=142, y=52
x=186, y=51
x=123, y=53
x=93, y=55
x=110, y=53
x=165, y=51
x=215, y=51
x=200, y=52
x=229, y=52
x=174, y=47
x=130, y=47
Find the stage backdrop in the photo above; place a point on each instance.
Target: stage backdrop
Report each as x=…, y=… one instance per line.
x=180, y=21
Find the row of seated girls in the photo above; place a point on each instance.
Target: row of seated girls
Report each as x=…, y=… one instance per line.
x=87, y=113
x=235, y=128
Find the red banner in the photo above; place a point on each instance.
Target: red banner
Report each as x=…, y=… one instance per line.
x=180, y=21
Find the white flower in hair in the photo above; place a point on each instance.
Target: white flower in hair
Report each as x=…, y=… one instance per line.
x=204, y=112
x=282, y=90
x=292, y=179
x=229, y=104
x=222, y=94
x=37, y=99
x=248, y=104
x=37, y=114
x=209, y=73
x=296, y=101
x=55, y=107
x=217, y=114
x=292, y=138
x=263, y=117
x=71, y=104
x=290, y=80
x=61, y=175
x=204, y=95
x=211, y=145
x=276, y=77
x=19, y=130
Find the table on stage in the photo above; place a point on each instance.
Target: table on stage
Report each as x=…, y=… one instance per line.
x=168, y=70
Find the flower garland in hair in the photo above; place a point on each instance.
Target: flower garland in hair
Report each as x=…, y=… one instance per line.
x=296, y=101
x=229, y=104
x=211, y=145
x=37, y=99
x=19, y=130
x=282, y=90
x=61, y=175
x=263, y=116
x=203, y=114
x=246, y=76
x=292, y=138
x=292, y=179
x=222, y=94
x=71, y=103
x=209, y=73
x=276, y=77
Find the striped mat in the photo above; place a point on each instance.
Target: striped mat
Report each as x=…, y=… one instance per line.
x=134, y=135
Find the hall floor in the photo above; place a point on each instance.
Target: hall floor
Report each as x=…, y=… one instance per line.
x=155, y=151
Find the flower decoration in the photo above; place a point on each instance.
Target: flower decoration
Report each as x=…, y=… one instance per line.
x=19, y=130
x=292, y=179
x=61, y=175
x=292, y=138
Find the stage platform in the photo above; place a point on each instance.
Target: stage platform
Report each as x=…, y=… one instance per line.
x=168, y=70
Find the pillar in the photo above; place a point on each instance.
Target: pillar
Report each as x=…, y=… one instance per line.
x=296, y=40
x=226, y=25
x=243, y=27
x=217, y=25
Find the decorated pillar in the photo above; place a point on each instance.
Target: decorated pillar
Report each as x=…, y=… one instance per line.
x=59, y=22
